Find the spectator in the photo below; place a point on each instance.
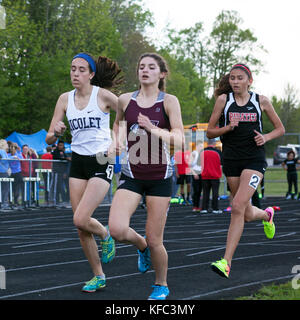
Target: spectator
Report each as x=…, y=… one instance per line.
x=211, y=159
x=4, y=169
x=196, y=168
x=16, y=174
x=47, y=176
x=183, y=174
x=289, y=164
x=28, y=167
x=59, y=169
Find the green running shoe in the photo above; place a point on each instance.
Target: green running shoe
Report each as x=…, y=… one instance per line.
x=94, y=284
x=269, y=226
x=221, y=267
x=108, y=249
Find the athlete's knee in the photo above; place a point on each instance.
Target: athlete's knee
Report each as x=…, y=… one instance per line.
x=117, y=231
x=153, y=241
x=80, y=222
x=238, y=207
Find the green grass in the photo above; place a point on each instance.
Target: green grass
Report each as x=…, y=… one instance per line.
x=275, y=183
x=275, y=292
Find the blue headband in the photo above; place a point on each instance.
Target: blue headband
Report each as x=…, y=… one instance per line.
x=89, y=59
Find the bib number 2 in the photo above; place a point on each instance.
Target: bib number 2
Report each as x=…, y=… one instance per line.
x=254, y=181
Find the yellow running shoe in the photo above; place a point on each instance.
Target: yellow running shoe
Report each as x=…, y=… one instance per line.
x=221, y=267
x=269, y=226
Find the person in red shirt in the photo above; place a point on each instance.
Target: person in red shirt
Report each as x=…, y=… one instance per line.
x=25, y=165
x=47, y=176
x=211, y=160
x=183, y=173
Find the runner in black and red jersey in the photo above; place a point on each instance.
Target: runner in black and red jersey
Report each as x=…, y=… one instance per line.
x=239, y=114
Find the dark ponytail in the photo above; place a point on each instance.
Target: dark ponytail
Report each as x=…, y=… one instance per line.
x=107, y=74
x=223, y=86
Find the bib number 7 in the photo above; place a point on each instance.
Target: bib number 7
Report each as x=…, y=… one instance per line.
x=110, y=171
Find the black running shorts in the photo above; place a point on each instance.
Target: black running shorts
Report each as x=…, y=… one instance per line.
x=87, y=167
x=159, y=188
x=234, y=168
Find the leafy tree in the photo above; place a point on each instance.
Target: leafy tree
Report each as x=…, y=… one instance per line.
x=230, y=44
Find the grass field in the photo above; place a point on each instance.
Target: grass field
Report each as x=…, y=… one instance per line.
x=275, y=292
x=275, y=183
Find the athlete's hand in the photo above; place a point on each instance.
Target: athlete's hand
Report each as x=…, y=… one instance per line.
x=145, y=122
x=59, y=128
x=259, y=139
x=115, y=149
x=233, y=123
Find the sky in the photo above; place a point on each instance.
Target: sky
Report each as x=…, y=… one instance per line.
x=276, y=24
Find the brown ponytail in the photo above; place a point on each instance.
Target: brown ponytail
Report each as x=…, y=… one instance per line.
x=107, y=74
x=223, y=86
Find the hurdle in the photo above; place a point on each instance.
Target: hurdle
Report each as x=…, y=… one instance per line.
x=10, y=180
x=27, y=195
x=48, y=171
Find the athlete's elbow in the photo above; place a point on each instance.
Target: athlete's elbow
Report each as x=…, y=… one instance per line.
x=209, y=134
x=282, y=131
x=178, y=140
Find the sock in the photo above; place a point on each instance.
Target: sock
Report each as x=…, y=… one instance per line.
x=101, y=277
x=107, y=237
x=269, y=214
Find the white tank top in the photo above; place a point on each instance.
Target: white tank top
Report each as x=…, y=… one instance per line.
x=89, y=126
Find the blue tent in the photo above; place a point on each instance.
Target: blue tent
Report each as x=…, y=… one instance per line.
x=35, y=141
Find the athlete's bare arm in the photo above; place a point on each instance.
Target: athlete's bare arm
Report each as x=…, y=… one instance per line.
x=212, y=130
x=107, y=100
x=57, y=127
x=119, y=127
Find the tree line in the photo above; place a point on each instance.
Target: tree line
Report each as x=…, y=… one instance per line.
x=42, y=36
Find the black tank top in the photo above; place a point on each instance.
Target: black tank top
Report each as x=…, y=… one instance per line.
x=239, y=144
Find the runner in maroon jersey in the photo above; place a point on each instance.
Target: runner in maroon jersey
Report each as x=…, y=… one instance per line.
x=153, y=120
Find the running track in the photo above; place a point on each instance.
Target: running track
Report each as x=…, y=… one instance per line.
x=43, y=259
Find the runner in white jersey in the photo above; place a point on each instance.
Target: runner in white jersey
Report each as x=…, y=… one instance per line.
x=89, y=127
x=244, y=162
x=87, y=108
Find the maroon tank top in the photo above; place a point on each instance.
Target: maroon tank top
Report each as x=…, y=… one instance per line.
x=148, y=157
